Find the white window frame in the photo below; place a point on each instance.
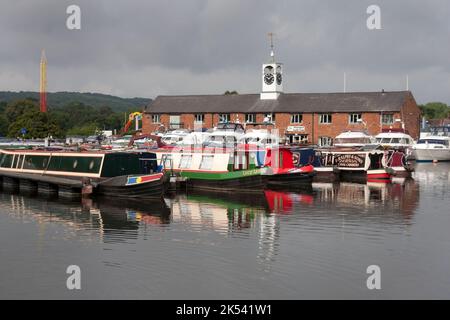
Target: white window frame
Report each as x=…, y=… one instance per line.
x=271, y=116
x=224, y=115
x=200, y=116
x=325, y=138
x=325, y=116
x=157, y=117
x=250, y=118
x=354, y=117
x=383, y=119
x=296, y=118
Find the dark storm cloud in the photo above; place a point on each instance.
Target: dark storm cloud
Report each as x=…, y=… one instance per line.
x=148, y=48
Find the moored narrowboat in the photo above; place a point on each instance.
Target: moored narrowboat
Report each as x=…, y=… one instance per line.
x=365, y=165
x=215, y=169
x=282, y=171
x=118, y=174
x=324, y=169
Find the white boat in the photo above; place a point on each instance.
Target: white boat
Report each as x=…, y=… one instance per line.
x=353, y=139
x=395, y=139
x=223, y=139
x=173, y=137
x=194, y=139
x=260, y=138
x=432, y=148
x=121, y=143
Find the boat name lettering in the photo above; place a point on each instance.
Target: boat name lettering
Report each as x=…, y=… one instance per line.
x=349, y=160
x=250, y=172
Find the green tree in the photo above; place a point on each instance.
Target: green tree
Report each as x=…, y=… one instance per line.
x=37, y=125
x=435, y=110
x=15, y=109
x=86, y=130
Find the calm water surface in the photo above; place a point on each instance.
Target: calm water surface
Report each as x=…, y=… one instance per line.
x=303, y=244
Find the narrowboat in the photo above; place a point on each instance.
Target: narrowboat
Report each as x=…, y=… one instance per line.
x=214, y=169
x=283, y=173
x=324, y=169
x=397, y=160
x=365, y=165
x=117, y=174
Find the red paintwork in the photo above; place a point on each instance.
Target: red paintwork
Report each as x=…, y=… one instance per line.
x=43, y=101
x=378, y=175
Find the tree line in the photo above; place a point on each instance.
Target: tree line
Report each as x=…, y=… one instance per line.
x=435, y=110
x=74, y=118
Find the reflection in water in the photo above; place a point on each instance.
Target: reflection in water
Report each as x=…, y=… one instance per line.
x=109, y=220
x=396, y=198
x=279, y=244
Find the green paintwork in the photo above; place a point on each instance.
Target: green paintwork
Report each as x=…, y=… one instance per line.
x=204, y=175
x=118, y=164
x=75, y=164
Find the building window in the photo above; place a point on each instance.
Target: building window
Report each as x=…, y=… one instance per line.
x=156, y=118
x=325, y=118
x=200, y=117
x=185, y=161
x=224, y=117
x=269, y=117
x=249, y=118
x=354, y=117
x=325, y=141
x=206, y=163
x=387, y=118
x=298, y=139
x=296, y=118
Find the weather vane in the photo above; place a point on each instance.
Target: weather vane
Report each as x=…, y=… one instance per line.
x=271, y=34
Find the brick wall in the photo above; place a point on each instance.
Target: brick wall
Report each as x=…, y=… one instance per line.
x=409, y=114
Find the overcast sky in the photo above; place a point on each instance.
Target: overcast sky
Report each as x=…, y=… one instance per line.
x=147, y=48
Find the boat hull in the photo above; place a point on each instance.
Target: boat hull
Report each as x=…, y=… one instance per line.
x=144, y=186
x=249, y=184
x=296, y=179
x=325, y=174
x=429, y=155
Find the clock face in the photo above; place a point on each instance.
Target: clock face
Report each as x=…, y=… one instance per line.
x=268, y=78
x=279, y=78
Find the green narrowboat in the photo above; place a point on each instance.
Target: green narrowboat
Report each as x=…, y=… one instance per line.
x=215, y=171
x=118, y=174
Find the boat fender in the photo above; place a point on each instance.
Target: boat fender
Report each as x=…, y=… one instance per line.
x=87, y=188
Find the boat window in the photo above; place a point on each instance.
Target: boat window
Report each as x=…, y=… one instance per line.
x=206, y=162
x=386, y=140
x=434, y=141
x=6, y=161
x=354, y=140
x=185, y=161
x=34, y=162
x=75, y=163
x=395, y=140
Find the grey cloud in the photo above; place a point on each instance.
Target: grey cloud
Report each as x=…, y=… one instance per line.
x=148, y=48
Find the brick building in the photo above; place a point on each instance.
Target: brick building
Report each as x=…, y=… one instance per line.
x=300, y=117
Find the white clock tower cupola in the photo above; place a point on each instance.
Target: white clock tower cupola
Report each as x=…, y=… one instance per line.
x=272, y=77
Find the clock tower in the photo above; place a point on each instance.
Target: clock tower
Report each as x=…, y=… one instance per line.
x=272, y=77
